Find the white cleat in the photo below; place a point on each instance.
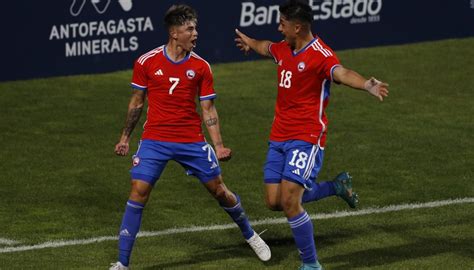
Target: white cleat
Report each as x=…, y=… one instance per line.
x=260, y=247
x=118, y=266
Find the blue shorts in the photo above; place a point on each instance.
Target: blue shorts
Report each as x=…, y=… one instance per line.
x=296, y=161
x=198, y=159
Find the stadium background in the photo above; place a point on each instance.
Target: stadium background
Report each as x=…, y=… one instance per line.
x=62, y=190
x=47, y=39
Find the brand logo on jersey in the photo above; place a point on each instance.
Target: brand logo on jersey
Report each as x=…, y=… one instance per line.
x=159, y=72
x=190, y=74
x=135, y=161
x=297, y=171
x=280, y=62
x=214, y=165
x=301, y=66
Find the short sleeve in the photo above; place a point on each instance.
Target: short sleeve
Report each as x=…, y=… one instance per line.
x=329, y=59
x=275, y=49
x=330, y=63
x=206, y=88
x=139, y=78
x=272, y=49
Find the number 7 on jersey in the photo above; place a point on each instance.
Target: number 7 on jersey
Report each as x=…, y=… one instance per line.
x=174, y=82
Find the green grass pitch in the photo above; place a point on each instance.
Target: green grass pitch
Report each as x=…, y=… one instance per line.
x=60, y=179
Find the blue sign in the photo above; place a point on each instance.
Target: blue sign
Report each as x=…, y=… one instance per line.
x=42, y=39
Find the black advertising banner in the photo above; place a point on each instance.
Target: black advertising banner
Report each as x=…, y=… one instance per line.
x=41, y=39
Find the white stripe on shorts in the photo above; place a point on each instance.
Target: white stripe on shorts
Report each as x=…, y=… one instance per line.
x=312, y=161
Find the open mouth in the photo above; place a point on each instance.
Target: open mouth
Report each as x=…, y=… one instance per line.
x=194, y=42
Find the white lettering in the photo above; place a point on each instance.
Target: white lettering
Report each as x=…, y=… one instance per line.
x=360, y=8
x=101, y=46
x=374, y=10
x=335, y=15
x=105, y=43
x=54, y=33
x=250, y=15
x=71, y=49
x=273, y=10
x=115, y=46
x=247, y=12
x=123, y=48
x=86, y=47
x=130, y=25
x=374, y=18
x=96, y=46
x=261, y=17
x=101, y=28
x=92, y=27
x=326, y=10
x=72, y=26
x=133, y=43
x=121, y=27
x=347, y=9
x=148, y=25
x=356, y=20
x=83, y=29
x=140, y=23
x=111, y=27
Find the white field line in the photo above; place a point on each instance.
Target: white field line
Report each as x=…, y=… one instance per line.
x=8, y=242
x=269, y=221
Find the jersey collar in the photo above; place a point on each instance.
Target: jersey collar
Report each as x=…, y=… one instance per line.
x=304, y=48
x=173, y=62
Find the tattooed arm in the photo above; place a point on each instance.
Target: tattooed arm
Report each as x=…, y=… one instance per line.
x=135, y=108
x=211, y=120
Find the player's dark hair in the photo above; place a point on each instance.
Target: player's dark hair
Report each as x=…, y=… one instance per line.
x=178, y=15
x=297, y=10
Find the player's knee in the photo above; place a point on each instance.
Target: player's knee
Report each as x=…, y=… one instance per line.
x=220, y=193
x=289, y=204
x=140, y=193
x=273, y=204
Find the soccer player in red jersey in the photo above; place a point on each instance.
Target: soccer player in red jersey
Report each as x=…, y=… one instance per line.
x=171, y=77
x=306, y=68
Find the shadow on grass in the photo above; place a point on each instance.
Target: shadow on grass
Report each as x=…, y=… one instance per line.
x=220, y=253
x=282, y=248
x=419, y=248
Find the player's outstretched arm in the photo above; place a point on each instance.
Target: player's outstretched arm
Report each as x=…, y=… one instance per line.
x=355, y=80
x=211, y=120
x=246, y=43
x=135, y=108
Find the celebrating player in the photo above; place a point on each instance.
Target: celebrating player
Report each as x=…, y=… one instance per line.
x=171, y=76
x=306, y=68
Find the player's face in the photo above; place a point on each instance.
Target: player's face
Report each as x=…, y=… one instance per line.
x=186, y=35
x=288, y=29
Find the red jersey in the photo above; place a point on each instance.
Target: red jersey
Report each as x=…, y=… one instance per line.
x=172, y=88
x=304, y=79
